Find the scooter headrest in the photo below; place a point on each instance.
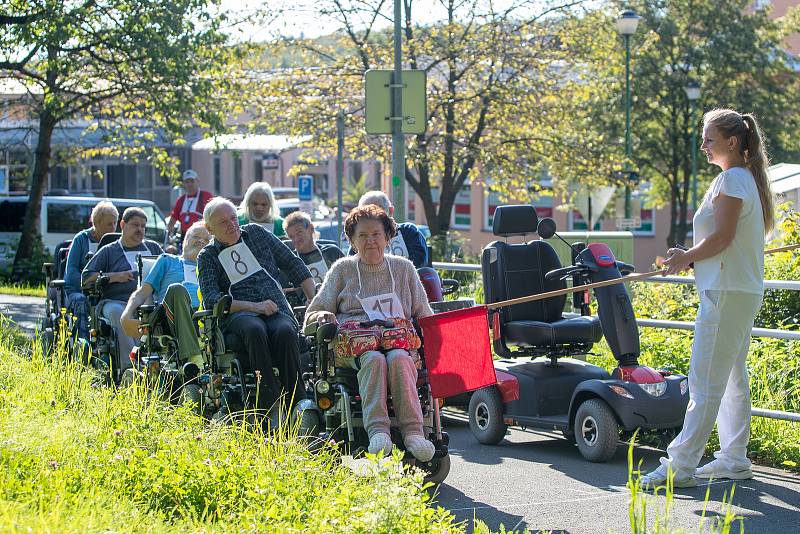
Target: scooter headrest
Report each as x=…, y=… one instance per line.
x=515, y=220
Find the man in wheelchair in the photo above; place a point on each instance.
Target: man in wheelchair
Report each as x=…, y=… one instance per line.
x=172, y=285
x=370, y=288
x=318, y=257
x=244, y=262
x=117, y=264
x=104, y=221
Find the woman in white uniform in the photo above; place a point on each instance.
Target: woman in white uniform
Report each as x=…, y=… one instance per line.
x=728, y=255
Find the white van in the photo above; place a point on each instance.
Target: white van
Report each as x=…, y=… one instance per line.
x=64, y=216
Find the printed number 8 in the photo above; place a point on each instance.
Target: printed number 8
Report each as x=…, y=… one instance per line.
x=237, y=261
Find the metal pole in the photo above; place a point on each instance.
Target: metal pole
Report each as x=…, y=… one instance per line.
x=398, y=146
x=627, y=124
x=339, y=173
x=694, y=158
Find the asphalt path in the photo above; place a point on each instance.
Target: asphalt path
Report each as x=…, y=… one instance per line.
x=538, y=481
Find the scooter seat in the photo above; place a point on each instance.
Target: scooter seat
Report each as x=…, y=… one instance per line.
x=561, y=332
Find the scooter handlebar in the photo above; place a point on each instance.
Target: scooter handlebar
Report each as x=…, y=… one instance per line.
x=563, y=272
x=625, y=268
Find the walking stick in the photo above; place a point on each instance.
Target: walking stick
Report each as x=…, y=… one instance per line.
x=629, y=278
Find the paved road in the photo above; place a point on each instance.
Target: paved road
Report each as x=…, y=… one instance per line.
x=538, y=481
x=26, y=312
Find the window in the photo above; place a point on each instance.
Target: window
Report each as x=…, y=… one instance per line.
x=217, y=174
x=462, y=209
x=59, y=178
x=11, y=216
x=542, y=203
x=68, y=218
x=578, y=224
x=258, y=170
x=237, y=175
x=3, y=179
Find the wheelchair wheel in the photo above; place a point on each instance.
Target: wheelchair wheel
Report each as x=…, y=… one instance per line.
x=437, y=469
x=192, y=394
x=127, y=379
x=486, y=416
x=596, y=430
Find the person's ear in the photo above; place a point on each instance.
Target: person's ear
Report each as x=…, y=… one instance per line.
x=733, y=141
x=121, y=224
x=391, y=211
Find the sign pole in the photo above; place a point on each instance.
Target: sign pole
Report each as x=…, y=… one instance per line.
x=398, y=146
x=339, y=173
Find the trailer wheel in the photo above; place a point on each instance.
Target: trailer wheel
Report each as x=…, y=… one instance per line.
x=486, y=416
x=596, y=431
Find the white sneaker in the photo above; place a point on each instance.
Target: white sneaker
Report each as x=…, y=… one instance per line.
x=380, y=443
x=716, y=469
x=658, y=478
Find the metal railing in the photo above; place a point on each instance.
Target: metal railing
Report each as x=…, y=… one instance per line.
x=773, y=333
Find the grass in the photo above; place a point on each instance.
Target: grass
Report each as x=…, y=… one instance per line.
x=23, y=290
x=80, y=458
x=644, y=521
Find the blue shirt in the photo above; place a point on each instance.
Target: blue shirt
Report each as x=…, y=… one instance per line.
x=76, y=260
x=168, y=270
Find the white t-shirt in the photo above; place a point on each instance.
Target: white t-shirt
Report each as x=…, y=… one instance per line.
x=740, y=267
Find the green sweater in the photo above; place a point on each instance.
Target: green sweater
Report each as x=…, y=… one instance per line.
x=277, y=228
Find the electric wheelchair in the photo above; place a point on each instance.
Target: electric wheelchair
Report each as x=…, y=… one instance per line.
x=221, y=389
x=56, y=319
x=335, y=393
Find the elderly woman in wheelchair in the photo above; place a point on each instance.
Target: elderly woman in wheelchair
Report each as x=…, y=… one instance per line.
x=372, y=289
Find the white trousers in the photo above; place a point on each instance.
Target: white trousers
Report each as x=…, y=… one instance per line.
x=718, y=385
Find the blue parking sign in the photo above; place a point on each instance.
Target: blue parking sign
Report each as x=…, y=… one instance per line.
x=305, y=187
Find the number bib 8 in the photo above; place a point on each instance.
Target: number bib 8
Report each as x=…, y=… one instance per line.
x=239, y=262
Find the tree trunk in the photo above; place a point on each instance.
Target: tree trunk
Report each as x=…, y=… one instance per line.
x=30, y=229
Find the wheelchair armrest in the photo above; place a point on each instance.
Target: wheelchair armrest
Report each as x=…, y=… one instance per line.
x=56, y=283
x=202, y=314
x=311, y=329
x=223, y=305
x=326, y=332
x=145, y=309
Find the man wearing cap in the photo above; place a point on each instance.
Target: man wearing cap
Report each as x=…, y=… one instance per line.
x=189, y=206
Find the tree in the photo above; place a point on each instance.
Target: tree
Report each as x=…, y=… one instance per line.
x=735, y=54
x=510, y=93
x=140, y=69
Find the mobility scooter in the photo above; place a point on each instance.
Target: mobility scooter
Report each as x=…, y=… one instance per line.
x=539, y=385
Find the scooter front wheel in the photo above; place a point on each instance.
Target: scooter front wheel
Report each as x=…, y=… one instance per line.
x=486, y=416
x=596, y=430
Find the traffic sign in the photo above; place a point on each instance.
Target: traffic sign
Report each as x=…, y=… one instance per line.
x=305, y=188
x=378, y=96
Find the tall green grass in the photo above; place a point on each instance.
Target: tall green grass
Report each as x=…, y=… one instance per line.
x=75, y=457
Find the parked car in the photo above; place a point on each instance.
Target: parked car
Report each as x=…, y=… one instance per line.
x=284, y=192
x=329, y=230
x=288, y=205
x=64, y=216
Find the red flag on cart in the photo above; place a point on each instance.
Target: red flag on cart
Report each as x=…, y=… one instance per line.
x=458, y=352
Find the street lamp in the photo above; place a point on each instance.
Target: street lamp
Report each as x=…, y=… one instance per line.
x=626, y=26
x=693, y=94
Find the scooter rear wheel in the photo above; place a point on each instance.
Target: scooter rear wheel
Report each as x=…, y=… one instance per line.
x=596, y=430
x=486, y=416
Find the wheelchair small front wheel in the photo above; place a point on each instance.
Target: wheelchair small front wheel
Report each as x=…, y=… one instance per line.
x=486, y=416
x=437, y=469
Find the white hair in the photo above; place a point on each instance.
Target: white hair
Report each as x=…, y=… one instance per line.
x=259, y=187
x=376, y=198
x=104, y=207
x=199, y=226
x=214, y=204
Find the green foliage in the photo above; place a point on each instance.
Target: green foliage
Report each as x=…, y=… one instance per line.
x=31, y=273
x=77, y=458
x=737, y=56
x=23, y=290
x=781, y=308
